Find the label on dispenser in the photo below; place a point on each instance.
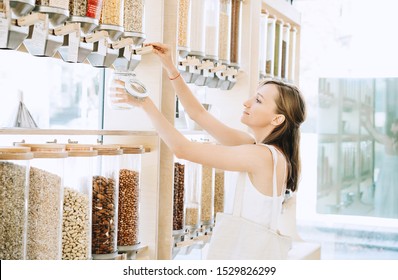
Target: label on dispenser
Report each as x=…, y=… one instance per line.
x=4, y=23
x=3, y=32
x=103, y=46
x=94, y=8
x=73, y=50
x=39, y=36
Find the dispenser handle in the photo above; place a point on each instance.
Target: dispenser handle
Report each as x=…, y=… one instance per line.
x=218, y=68
x=67, y=29
x=96, y=36
x=143, y=50
x=122, y=43
x=205, y=65
x=31, y=19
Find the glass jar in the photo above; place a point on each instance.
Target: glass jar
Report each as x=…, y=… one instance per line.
x=236, y=7
x=263, y=42
x=224, y=35
x=45, y=206
x=129, y=197
x=178, y=197
x=278, y=48
x=197, y=36
x=212, y=18
x=14, y=191
x=112, y=12
x=183, y=35
x=269, y=68
x=134, y=16
x=94, y=8
x=105, y=202
x=285, y=51
x=193, y=182
x=76, y=225
x=131, y=84
x=219, y=190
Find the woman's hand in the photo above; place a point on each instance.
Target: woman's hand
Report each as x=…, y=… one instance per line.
x=163, y=51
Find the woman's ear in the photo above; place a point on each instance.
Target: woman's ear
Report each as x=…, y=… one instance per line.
x=278, y=119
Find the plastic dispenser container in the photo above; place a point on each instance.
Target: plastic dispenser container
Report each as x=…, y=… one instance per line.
x=14, y=190
x=45, y=205
x=183, y=24
x=193, y=181
x=219, y=191
x=263, y=42
x=129, y=199
x=105, y=202
x=76, y=228
x=178, y=199
x=207, y=197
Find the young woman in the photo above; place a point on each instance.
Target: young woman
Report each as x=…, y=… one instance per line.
x=273, y=114
x=386, y=191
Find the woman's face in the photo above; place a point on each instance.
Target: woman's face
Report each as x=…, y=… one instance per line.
x=261, y=108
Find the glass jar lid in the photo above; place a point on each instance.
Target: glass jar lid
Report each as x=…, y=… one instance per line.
x=132, y=149
x=81, y=150
x=15, y=153
x=108, y=150
x=49, y=150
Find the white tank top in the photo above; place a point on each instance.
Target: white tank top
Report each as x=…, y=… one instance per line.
x=256, y=206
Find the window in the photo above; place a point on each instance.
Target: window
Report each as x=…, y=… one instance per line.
x=57, y=94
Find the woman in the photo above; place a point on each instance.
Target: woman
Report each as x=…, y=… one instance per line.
x=386, y=192
x=274, y=115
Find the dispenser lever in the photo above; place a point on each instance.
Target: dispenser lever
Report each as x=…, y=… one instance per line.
x=67, y=29
x=206, y=65
x=219, y=68
x=96, y=36
x=143, y=50
x=122, y=43
x=31, y=19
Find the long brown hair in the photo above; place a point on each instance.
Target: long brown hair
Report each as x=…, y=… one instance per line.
x=286, y=136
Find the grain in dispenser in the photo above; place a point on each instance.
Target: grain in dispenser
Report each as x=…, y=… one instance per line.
x=45, y=205
x=224, y=37
x=76, y=228
x=111, y=19
x=129, y=198
x=207, y=196
x=105, y=202
x=184, y=23
x=14, y=191
x=236, y=11
x=134, y=19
